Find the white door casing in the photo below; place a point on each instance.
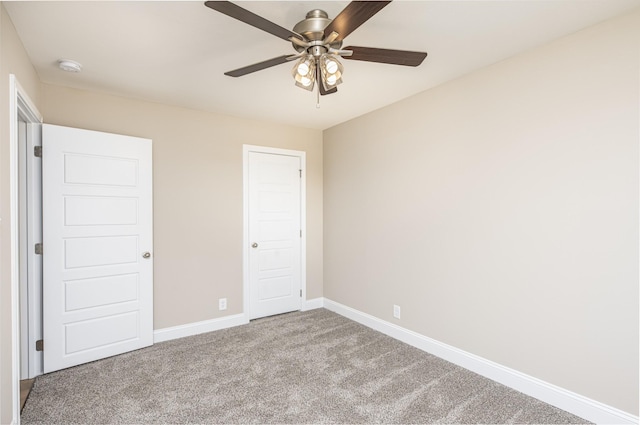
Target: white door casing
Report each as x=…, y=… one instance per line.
x=30, y=168
x=274, y=242
x=34, y=235
x=97, y=225
x=20, y=108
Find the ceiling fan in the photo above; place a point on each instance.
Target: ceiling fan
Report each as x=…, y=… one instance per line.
x=318, y=44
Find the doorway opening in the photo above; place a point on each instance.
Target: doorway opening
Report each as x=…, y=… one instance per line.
x=25, y=231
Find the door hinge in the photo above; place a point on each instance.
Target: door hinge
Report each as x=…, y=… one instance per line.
x=300, y=232
x=38, y=249
x=37, y=151
x=39, y=345
x=300, y=173
x=301, y=293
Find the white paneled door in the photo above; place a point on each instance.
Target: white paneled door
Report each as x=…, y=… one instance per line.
x=97, y=245
x=275, y=234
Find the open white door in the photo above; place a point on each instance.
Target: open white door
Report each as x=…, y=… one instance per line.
x=275, y=233
x=97, y=244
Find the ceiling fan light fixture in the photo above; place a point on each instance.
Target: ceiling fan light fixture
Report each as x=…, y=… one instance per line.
x=304, y=65
x=305, y=81
x=331, y=65
x=304, y=72
x=330, y=71
x=331, y=82
x=303, y=68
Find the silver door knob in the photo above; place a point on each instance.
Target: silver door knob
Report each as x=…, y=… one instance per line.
x=254, y=245
x=146, y=255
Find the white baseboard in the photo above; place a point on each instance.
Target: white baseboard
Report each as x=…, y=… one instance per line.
x=196, y=328
x=312, y=304
x=181, y=331
x=569, y=401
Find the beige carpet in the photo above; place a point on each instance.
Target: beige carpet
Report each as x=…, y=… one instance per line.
x=311, y=367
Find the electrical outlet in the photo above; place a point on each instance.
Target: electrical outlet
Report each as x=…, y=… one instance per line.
x=222, y=304
x=396, y=311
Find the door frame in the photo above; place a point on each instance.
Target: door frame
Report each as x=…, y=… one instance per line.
x=246, y=287
x=30, y=228
x=20, y=105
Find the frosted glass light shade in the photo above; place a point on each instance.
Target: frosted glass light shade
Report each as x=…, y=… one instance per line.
x=304, y=72
x=330, y=71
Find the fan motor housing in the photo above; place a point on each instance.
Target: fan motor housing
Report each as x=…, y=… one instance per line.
x=312, y=28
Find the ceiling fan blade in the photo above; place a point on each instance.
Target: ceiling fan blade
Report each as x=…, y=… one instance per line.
x=394, y=57
x=324, y=92
x=251, y=18
x=355, y=14
x=258, y=66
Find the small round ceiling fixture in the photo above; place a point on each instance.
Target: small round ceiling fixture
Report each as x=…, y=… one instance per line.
x=69, y=65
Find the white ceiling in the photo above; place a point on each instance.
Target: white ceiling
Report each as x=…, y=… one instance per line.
x=176, y=52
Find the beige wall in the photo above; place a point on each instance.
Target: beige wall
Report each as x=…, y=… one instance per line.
x=13, y=60
x=197, y=178
x=500, y=211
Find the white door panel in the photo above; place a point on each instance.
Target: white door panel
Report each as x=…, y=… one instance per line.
x=100, y=291
x=95, y=211
x=97, y=223
x=274, y=232
x=100, y=251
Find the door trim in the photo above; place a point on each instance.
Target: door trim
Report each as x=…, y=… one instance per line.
x=246, y=287
x=19, y=105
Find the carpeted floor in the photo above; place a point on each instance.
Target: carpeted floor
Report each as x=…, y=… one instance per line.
x=303, y=367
